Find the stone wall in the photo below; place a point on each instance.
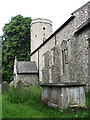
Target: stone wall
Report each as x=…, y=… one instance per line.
x=77, y=54
x=79, y=62
x=51, y=68
x=30, y=79
x=48, y=46
x=82, y=14
x=35, y=58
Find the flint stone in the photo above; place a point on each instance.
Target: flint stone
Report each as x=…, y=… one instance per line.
x=5, y=87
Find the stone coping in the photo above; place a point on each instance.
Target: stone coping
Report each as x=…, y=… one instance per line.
x=62, y=84
x=41, y=20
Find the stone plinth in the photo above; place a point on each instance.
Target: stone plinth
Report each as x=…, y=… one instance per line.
x=64, y=95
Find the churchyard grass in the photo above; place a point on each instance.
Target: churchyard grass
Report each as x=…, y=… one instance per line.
x=27, y=104
x=0, y=104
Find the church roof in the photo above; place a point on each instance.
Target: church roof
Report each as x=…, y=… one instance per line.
x=26, y=67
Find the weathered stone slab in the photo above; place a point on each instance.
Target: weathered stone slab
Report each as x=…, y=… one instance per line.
x=55, y=95
x=5, y=87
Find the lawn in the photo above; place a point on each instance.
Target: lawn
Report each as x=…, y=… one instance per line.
x=32, y=107
x=0, y=104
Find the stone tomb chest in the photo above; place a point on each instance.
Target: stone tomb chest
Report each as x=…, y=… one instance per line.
x=64, y=95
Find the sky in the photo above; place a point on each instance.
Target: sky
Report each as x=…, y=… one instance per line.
x=58, y=11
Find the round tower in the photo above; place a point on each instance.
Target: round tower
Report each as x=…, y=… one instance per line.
x=41, y=29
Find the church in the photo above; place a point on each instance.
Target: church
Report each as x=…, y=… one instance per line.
x=60, y=61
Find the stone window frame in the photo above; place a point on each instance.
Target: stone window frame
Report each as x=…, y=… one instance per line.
x=64, y=50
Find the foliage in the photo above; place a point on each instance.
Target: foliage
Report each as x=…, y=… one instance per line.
x=0, y=105
x=24, y=94
x=32, y=107
x=5, y=76
x=15, y=42
x=0, y=61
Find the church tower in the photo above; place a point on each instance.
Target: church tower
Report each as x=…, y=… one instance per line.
x=41, y=29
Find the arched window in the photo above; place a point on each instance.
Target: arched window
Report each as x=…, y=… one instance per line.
x=89, y=57
x=64, y=54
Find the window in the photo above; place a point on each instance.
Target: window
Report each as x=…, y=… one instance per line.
x=44, y=28
x=88, y=58
x=35, y=35
x=64, y=58
x=63, y=61
x=64, y=54
x=44, y=39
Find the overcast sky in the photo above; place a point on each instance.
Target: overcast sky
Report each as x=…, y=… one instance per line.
x=58, y=11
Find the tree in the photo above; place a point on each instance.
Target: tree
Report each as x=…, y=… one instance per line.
x=0, y=62
x=15, y=42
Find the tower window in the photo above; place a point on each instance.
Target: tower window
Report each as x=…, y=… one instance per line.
x=44, y=39
x=44, y=28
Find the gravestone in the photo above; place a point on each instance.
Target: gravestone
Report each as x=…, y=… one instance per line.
x=5, y=87
x=20, y=85
x=11, y=83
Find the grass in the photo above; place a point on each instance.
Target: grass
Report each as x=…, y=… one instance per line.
x=0, y=105
x=29, y=105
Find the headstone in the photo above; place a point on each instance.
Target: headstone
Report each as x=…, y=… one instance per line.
x=20, y=85
x=11, y=83
x=5, y=87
